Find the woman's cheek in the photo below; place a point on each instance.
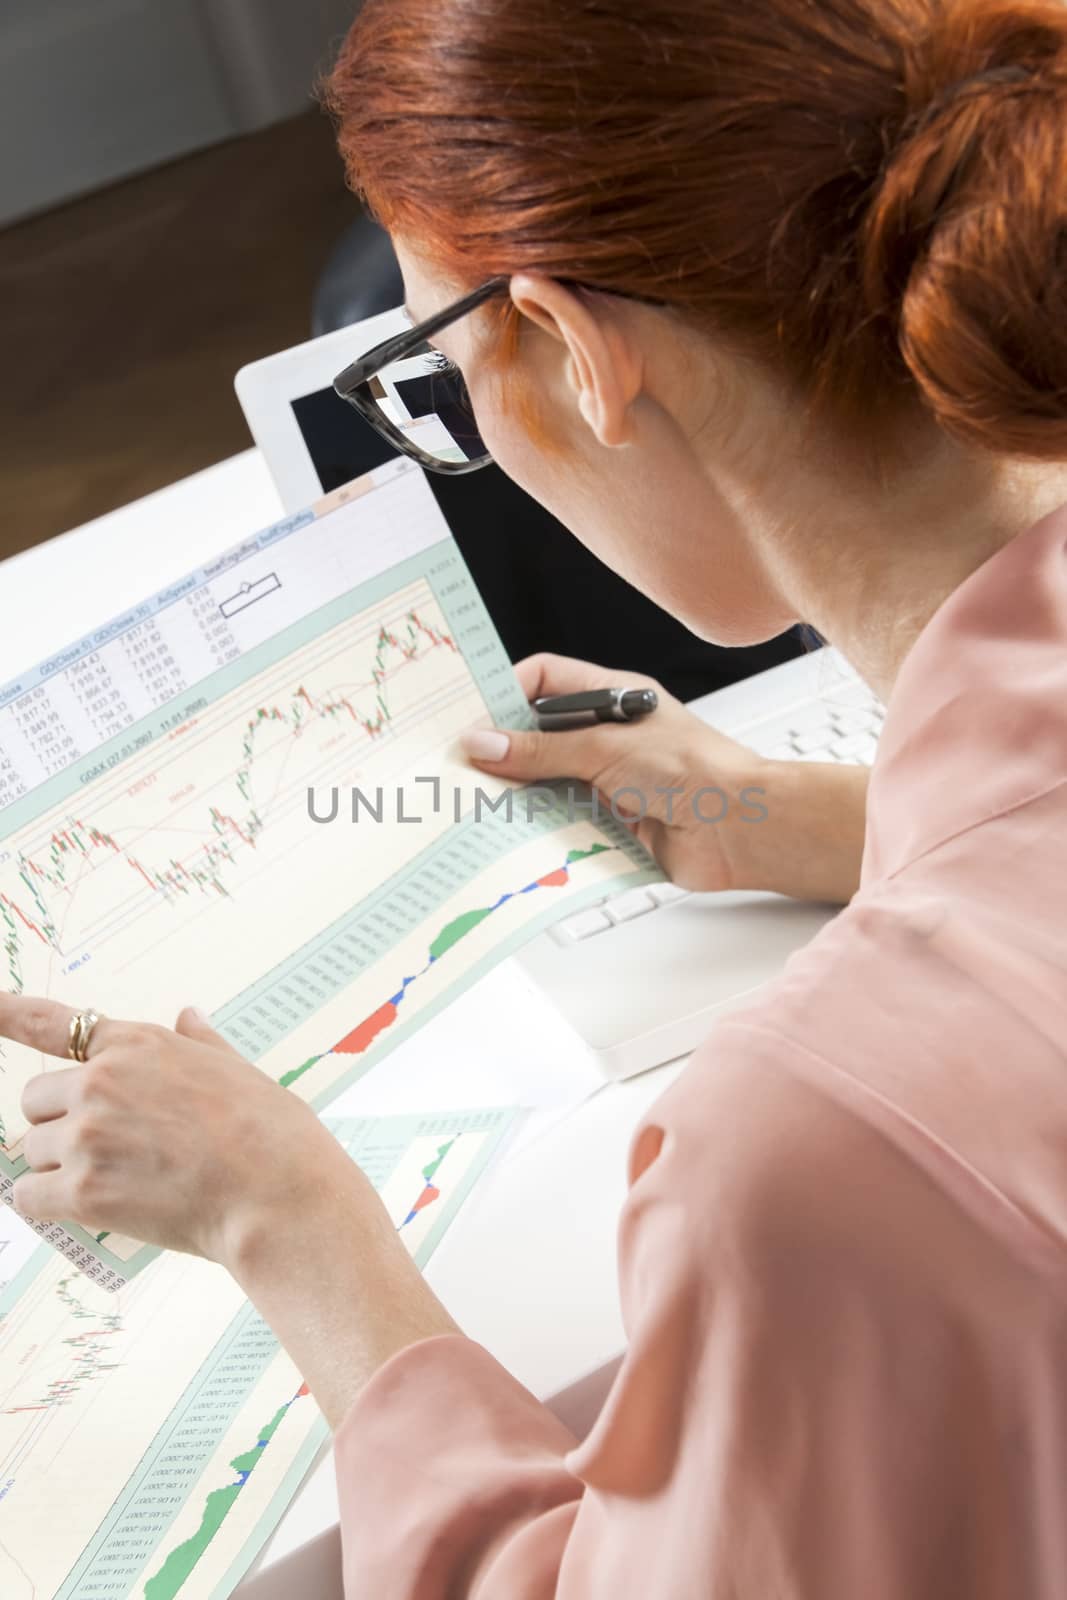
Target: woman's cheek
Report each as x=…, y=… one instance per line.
x=664, y=556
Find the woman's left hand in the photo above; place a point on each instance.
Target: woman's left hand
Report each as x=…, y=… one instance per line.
x=168, y=1136
x=173, y=1138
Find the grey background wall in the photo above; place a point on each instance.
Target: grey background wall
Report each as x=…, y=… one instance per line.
x=95, y=90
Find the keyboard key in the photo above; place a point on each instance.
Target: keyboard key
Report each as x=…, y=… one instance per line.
x=581, y=926
x=631, y=903
x=866, y=753
x=817, y=739
x=781, y=752
x=849, y=749
x=857, y=721
x=664, y=893
x=850, y=694
x=803, y=719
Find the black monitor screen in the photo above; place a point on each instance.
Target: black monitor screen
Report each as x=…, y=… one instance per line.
x=341, y=445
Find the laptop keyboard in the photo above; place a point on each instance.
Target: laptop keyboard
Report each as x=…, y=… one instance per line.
x=844, y=729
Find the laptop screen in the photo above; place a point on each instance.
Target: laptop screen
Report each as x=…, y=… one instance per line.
x=341, y=445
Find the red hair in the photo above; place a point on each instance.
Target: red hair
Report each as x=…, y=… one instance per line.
x=859, y=193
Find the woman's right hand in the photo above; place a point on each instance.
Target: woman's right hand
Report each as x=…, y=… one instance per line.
x=713, y=813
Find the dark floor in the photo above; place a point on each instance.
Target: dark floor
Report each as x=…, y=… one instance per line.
x=128, y=312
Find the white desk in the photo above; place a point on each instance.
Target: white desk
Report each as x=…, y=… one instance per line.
x=528, y=1269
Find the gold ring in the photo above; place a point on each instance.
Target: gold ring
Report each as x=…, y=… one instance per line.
x=82, y=1024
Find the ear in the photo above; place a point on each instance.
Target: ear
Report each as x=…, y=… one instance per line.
x=604, y=366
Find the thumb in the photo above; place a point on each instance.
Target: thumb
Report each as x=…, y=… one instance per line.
x=526, y=754
x=195, y=1024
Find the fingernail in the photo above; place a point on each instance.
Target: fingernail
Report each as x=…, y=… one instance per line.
x=485, y=744
x=200, y=1016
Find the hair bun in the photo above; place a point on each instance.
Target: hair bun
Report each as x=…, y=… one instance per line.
x=964, y=249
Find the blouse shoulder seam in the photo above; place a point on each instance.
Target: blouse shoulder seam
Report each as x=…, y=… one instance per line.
x=1044, y=1237
x=995, y=815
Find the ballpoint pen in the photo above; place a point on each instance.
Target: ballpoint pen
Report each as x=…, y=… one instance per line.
x=558, y=711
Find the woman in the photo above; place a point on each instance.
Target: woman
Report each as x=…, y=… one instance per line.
x=785, y=339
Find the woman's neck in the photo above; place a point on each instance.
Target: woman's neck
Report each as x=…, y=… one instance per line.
x=901, y=563
x=867, y=563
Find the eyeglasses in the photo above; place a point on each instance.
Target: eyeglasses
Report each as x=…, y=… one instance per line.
x=416, y=398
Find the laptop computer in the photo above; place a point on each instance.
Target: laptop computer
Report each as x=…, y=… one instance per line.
x=641, y=976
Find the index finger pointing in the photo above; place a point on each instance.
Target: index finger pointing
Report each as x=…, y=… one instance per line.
x=42, y=1024
x=45, y=1025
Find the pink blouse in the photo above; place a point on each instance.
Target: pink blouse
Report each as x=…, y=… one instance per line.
x=843, y=1255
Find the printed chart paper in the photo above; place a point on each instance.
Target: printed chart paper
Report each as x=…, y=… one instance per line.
x=151, y=1438
x=178, y=822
